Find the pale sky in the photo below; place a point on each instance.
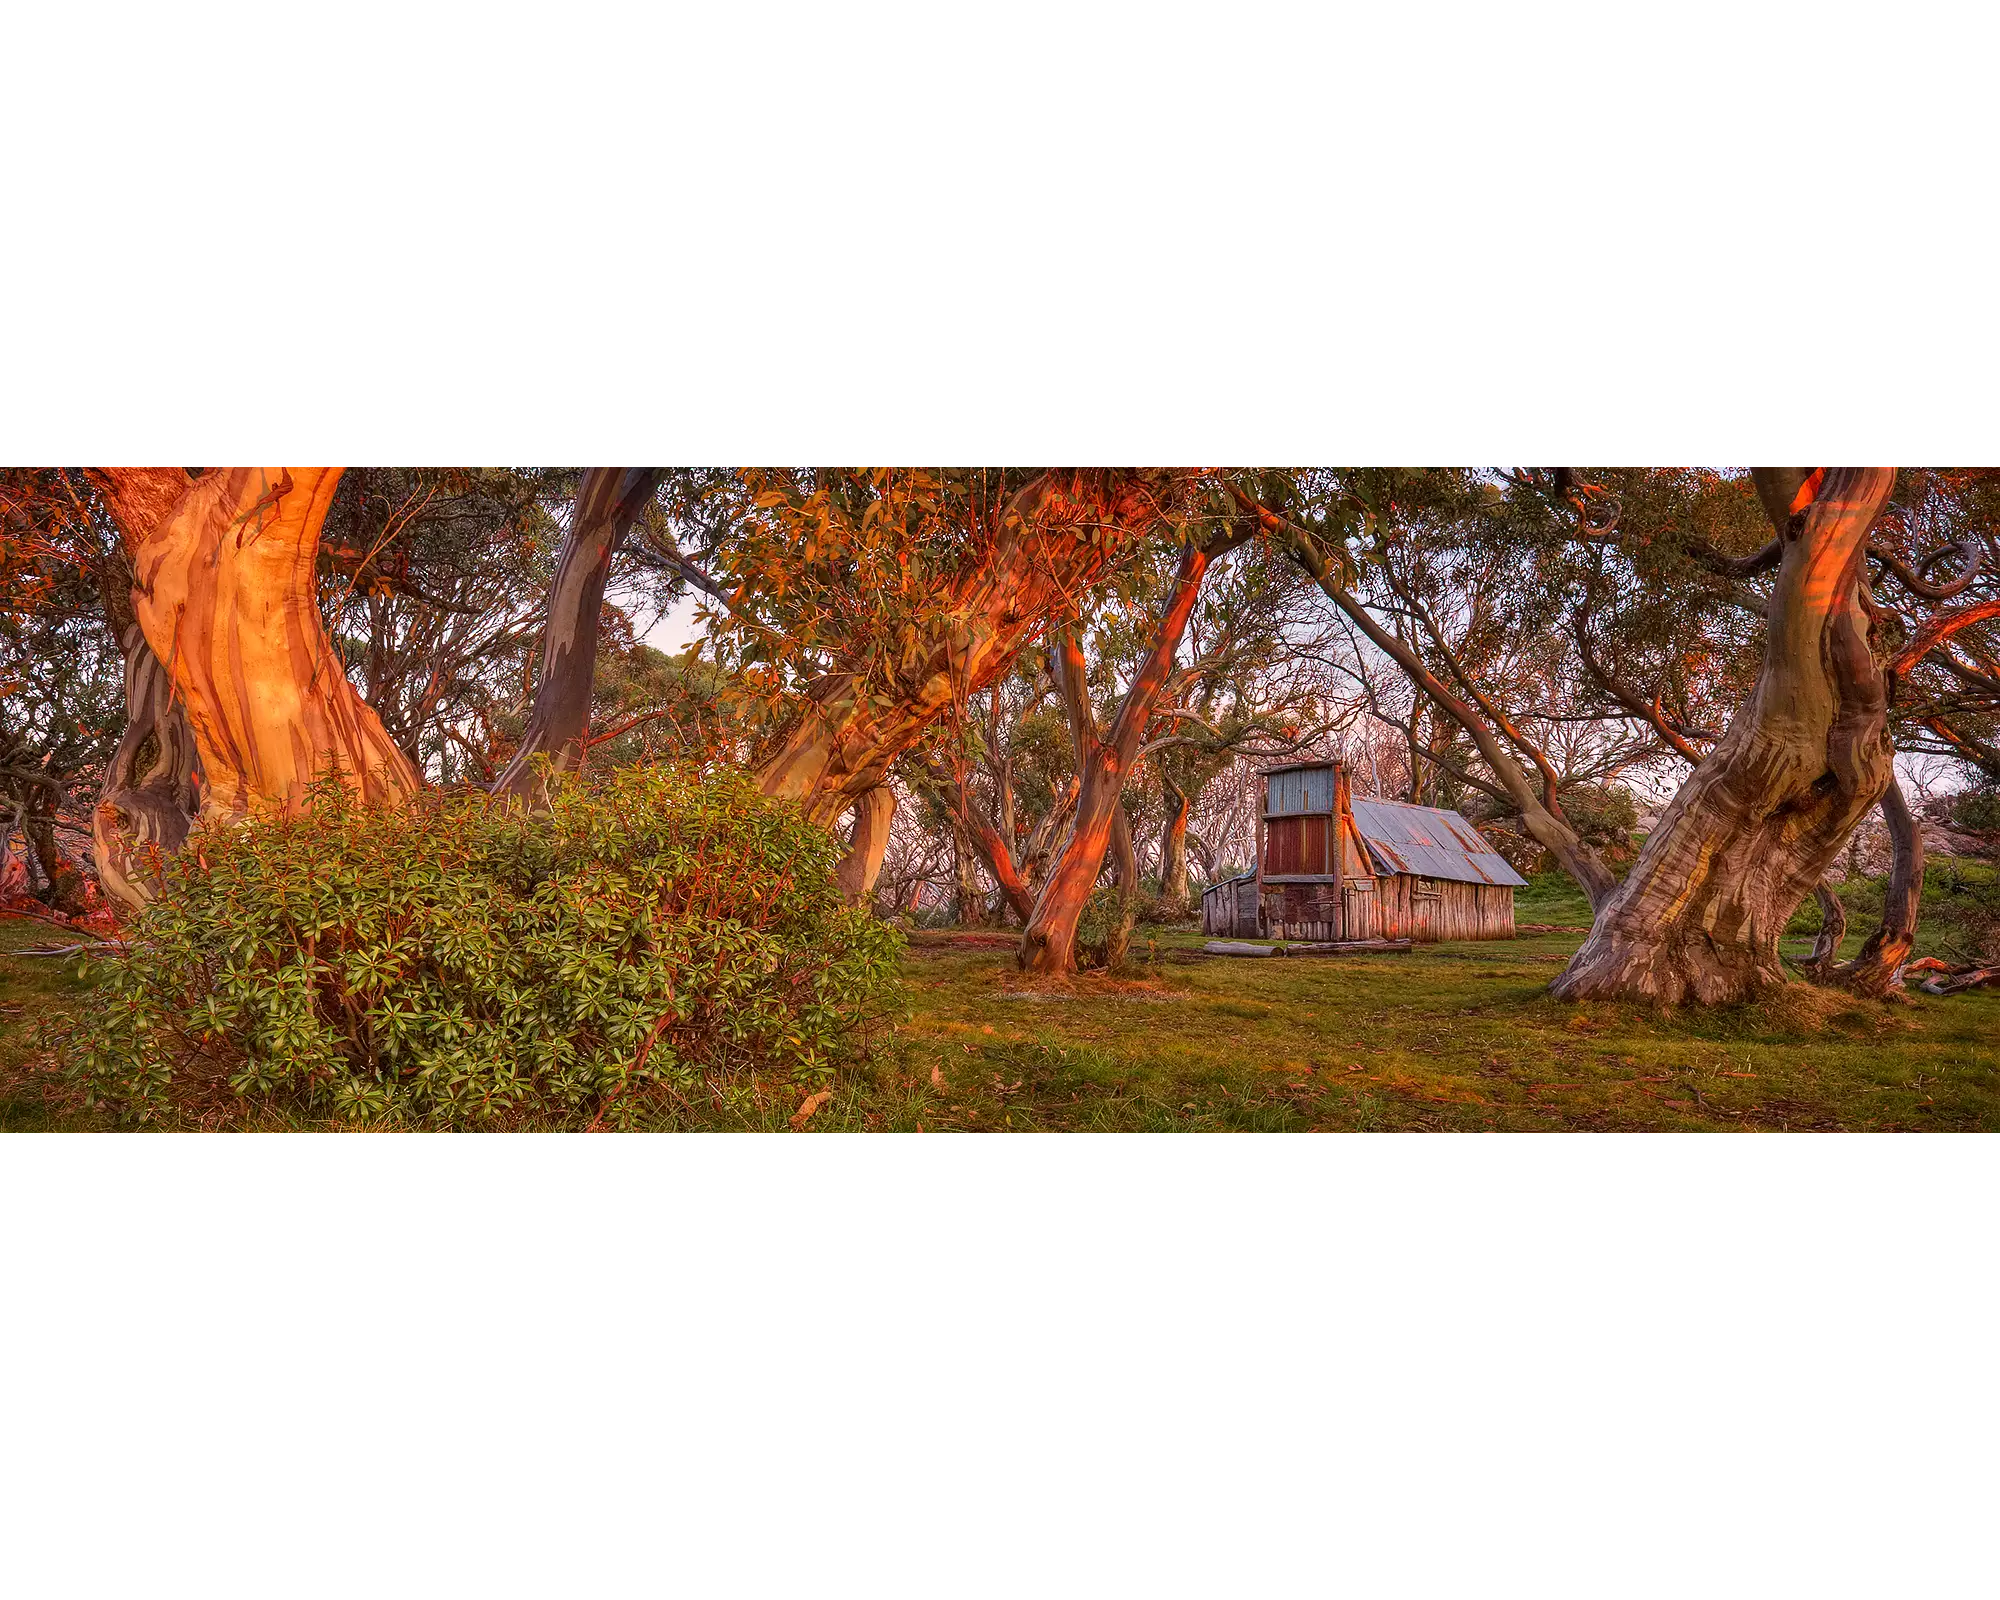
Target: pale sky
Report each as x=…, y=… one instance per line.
x=676, y=629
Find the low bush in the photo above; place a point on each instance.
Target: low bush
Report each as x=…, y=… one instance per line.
x=1104, y=930
x=651, y=937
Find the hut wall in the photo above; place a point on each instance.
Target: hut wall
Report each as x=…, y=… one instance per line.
x=1303, y=910
x=1429, y=910
x=1249, y=923
x=1398, y=906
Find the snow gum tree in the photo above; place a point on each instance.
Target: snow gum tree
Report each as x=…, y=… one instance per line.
x=1757, y=824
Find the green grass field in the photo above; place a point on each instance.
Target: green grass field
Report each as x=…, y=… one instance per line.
x=1446, y=1037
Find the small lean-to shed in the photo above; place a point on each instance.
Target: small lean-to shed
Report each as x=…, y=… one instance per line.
x=1330, y=867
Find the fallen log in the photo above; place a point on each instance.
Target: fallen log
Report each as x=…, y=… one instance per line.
x=1958, y=982
x=1339, y=947
x=1342, y=947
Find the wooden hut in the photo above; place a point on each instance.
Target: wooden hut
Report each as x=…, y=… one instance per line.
x=1330, y=867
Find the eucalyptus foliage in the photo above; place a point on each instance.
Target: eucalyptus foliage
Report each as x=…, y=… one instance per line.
x=654, y=936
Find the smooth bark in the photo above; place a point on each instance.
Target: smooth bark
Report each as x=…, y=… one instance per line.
x=1125, y=876
x=224, y=590
x=867, y=844
x=968, y=899
x=1832, y=929
x=977, y=833
x=608, y=501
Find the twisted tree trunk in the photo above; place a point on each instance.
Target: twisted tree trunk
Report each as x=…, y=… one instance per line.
x=976, y=837
x=608, y=501
x=1759, y=822
x=223, y=589
x=151, y=791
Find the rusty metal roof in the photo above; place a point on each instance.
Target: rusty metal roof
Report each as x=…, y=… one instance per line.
x=1429, y=843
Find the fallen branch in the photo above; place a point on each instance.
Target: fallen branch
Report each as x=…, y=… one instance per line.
x=1340, y=947
x=1960, y=980
x=54, y=919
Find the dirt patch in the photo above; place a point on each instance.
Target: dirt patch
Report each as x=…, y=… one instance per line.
x=946, y=944
x=1084, y=986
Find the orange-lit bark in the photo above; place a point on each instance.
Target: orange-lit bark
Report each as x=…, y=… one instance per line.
x=1762, y=818
x=867, y=844
x=223, y=587
x=1048, y=944
x=1057, y=534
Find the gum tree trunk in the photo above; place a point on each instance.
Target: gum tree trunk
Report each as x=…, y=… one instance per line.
x=867, y=845
x=1759, y=822
x=1832, y=929
x=1056, y=535
x=1173, y=846
x=969, y=901
x=1876, y=967
x=224, y=591
x=608, y=501
x=1048, y=944
x=1125, y=874
x=985, y=841
x=38, y=826
x=151, y=792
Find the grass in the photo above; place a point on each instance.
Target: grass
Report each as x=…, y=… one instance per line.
x=1457, y=1036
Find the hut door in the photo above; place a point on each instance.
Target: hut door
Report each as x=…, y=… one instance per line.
x=1357, y=909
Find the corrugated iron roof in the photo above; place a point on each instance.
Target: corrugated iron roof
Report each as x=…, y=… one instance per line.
x=1429, y=843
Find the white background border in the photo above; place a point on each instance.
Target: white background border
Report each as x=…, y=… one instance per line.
x=1379, y=1366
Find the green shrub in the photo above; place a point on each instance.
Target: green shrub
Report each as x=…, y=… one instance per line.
x=458, y=962
x=1103, y=930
